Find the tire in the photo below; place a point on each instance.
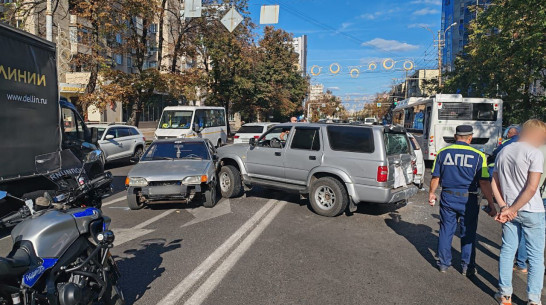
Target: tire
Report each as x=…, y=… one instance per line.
x=139, y=151
x=219, y=144
x=328, y=197
x=210, y=198
x=230, y=182
x=133, y=200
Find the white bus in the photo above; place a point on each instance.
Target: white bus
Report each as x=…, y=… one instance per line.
x=193, y=121
x=433, y=120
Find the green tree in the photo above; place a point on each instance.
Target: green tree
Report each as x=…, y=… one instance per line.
x=506, y=57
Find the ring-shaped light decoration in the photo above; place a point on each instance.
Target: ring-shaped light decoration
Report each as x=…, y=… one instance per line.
x=298, y=67
x=355, y=73
x=335, y=71
x=408, y=65
x=386, y=64
x=372, y=66
x=315, y=73
x=332, y=103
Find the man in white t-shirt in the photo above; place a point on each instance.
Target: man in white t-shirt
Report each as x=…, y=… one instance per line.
x=515, y=184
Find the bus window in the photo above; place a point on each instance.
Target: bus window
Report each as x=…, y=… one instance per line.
x=467, y=112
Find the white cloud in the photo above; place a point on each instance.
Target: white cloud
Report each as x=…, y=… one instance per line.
x=432, y=2
x=426, y=11
x=419, y=25
x=390, y=45
x=333, y=88
x=371, y=16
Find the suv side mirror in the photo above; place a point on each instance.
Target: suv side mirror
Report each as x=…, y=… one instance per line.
x=252, y=142
x=109, y=137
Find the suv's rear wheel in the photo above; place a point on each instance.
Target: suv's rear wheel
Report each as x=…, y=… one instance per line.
x=137, y=154
x=328, y=197
x=230, y=182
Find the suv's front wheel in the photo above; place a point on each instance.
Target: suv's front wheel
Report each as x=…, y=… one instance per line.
x=230, y=182
x=328, y=197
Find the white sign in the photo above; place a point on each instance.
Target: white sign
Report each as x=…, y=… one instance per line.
x=269, y=14
x=192, y=8
x=232, y=19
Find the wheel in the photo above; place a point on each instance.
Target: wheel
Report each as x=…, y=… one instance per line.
x=219, y=144
x=209, y=196
x=139, y=151
x=230, y=182
x=113, y=294
x=133, y=200
x=328, y=197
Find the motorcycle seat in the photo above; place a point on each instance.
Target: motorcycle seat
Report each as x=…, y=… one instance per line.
x=15, y=264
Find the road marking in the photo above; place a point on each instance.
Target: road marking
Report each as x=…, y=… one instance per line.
x=183, y=287
x=4, y=237
x=218, y=275
x=124, y=235
x=113, y=201
x=203, y=214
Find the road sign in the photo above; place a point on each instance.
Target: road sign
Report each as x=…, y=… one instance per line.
x=378, y=105
x=232, y=19
x=269, y=14
x=192, y=8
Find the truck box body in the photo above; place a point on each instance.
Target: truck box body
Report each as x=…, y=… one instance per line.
x=30, y=131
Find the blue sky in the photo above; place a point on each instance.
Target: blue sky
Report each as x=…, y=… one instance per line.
x=354, y=33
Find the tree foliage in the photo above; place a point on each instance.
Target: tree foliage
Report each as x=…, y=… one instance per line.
x=506, y=57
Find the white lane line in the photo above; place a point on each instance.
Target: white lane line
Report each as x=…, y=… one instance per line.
x=218, y=275
x=113, y=201
x=183, y=287
x=125, y=235
x=6, y=237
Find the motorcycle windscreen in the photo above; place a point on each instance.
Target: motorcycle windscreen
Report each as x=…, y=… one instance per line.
x=29, y=102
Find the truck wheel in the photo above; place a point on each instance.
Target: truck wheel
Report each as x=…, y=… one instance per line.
x=219, y=143
x=230, y=182
x=133, y=200
x=209, y=196
x=328, y=197
x=137, y=154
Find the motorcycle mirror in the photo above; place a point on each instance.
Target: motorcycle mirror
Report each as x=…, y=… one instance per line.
x=93, y=156
x=3, y=194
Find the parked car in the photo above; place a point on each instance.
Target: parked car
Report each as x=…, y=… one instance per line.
x=335, y=165
x=370, y=121
x=174, y=169
x=251, y=130
x=419, y=178
x=120, y=142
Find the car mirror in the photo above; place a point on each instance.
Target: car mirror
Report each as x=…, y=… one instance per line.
x=109, y=137
x=252, y=142
x=93, y=156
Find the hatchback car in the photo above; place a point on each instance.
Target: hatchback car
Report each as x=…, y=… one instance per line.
x=174, y=169
x=120, y=142
x=250, y=131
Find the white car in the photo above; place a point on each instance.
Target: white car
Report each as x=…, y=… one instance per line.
x=419, y=177
x=370, y=121
x=251, y=130
x=120, y=142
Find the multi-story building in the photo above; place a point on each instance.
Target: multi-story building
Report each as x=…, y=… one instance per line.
x=421, y=83
x=300, y=46
x=456, y=38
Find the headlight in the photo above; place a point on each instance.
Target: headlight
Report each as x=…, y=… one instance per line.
x=192, y=180
x=135, y=181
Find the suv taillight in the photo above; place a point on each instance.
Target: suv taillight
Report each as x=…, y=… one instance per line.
x=414, y=166
x=382, y=173
x=236, y=137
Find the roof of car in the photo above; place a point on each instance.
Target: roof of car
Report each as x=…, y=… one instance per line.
x=109, y=125
x=261, y=123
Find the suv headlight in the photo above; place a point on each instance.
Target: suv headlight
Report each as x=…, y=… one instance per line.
x=193, y=180
x=136, y=181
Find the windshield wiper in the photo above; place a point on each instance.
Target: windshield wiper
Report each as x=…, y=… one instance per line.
x=162, y=158
x=192, y=157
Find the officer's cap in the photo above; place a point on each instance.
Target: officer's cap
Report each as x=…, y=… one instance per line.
x=464, y=130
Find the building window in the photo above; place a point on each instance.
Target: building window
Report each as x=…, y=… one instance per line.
x=152, y=64
x=119, y=39
x=119, y=59
x=153, y=28
x=129, y=62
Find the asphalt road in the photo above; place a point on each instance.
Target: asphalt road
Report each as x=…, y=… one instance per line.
x=269, y=248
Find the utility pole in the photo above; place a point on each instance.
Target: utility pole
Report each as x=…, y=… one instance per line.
x=49, y=20
x=440, y=58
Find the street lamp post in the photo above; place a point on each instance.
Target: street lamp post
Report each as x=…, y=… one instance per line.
x=441, y=43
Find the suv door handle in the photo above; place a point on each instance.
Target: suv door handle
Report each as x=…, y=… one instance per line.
x=312, y=157
x=277, y=153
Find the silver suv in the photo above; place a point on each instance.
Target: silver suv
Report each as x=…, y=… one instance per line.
x=335, y=165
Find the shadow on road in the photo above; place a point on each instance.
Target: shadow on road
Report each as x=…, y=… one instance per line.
x=140, y=267
x=377, y=209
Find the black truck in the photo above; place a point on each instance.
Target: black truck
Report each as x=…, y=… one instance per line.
x=42, y=137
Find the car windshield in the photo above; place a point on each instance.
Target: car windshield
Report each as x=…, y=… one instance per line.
x=176, y=150
x=176, y=119
x=251, y=129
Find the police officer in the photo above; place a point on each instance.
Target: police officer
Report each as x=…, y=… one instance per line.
x=459, y=169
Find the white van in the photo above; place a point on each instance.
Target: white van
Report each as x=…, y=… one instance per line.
x=193, y=121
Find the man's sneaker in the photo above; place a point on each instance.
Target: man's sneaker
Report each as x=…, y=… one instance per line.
x=503, y=299
x=443, y=268
x=468, y=271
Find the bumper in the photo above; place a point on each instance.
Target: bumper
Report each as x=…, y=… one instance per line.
x=170, y=192
x=371, y=194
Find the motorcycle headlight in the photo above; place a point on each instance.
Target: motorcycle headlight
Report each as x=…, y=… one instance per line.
x=135, y=181
x=193, y=180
